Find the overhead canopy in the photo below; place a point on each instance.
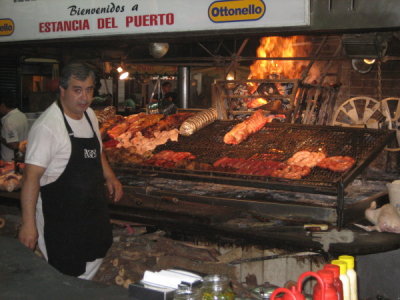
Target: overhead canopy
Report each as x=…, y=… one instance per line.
x=48, y=19
x=32, y=20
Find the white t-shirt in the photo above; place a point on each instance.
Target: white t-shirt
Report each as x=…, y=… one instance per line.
x=49, y=145
x=14, y=129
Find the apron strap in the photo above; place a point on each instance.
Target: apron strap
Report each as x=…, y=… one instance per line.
x=69, y=129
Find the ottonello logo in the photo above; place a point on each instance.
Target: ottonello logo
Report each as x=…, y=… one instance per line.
x=6, y=27
x=236, y=10
x=88, y=153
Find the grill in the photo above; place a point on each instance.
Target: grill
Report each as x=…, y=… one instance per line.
x=278, y=138
x=286, y=139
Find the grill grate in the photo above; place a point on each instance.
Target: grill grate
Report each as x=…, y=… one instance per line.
x=286, y=139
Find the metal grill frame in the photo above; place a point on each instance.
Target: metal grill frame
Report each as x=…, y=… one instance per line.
x=336, y=187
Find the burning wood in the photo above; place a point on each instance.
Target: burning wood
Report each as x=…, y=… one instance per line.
x=257, y=103
x=272, y=94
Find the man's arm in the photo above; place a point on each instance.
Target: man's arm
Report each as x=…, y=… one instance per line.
x=113, y=185
x=28, y=234
x=12, y=146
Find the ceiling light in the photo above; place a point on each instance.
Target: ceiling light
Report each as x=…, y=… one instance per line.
x=361, y=66
x=119, y=69
x=369, y=61
x=158, y=50
x=124, y=75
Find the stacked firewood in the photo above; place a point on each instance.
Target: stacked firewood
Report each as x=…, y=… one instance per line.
x=133, y=252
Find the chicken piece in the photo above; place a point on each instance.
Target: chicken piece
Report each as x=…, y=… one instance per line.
x=10, y=182
x=143, y=144
x=306, y=158
x=385, y=218
x=241, y=131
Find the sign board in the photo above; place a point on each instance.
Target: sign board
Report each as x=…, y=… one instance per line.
x=24, y=20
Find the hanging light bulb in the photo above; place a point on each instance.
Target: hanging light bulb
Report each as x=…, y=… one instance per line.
x=124, y=75
x=119, y=69
x=369, y=61
x=230, y=76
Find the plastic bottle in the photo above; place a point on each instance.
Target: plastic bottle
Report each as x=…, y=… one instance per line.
x=330, y=291
x=351, y=273
x=343, y=278
x=337, y=283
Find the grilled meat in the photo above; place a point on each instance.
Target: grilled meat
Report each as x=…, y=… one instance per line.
x=242, y=130
x=306, y=158
x=169, y=159
x=292, y=172
x=143, y=144
x=261, y=168
x=337, y=163
x=168, y=123
x=133, y=124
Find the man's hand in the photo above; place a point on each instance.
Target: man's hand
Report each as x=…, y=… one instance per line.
x=114, y=187
x=28, y=235
x=22, y=146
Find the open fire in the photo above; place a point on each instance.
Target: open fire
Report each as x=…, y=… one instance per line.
x=274, y=69
x=279, y=47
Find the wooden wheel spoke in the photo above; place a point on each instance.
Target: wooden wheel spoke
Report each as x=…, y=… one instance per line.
x=391, y=110
x=357, y=111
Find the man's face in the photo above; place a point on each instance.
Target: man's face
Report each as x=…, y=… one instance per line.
x=167, y=88
x=77, y=97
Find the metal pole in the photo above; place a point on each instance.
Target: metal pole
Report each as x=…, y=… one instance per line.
x=184, y=86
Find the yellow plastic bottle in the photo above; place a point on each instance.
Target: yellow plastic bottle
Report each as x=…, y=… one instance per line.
x=351, y=273
x=343, y=278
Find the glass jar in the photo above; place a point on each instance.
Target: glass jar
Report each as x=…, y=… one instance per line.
x=216, y=287
x=185, y=292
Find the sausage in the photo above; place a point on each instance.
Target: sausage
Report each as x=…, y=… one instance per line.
x=198, y=121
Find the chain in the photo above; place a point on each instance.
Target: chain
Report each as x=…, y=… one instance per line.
x=379, y=81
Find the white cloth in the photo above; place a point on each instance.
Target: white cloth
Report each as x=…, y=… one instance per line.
x=14, y=128
x=49, y=147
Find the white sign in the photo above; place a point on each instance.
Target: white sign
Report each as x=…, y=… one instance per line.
x=23, y=20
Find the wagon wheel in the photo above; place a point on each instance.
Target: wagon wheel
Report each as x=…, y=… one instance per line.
x=390, y=108
x=358, y=112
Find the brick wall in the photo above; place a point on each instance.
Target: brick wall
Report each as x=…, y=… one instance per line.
x=355, y=84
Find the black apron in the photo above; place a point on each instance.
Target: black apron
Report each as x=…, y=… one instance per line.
x=76, y=222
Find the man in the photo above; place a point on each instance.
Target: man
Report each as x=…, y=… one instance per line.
x=14, y=128
x=64, y=180
x=166, y=99
x=166, y=93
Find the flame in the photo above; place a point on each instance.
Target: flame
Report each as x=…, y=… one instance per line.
x=276, y=46
x=257, y=103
